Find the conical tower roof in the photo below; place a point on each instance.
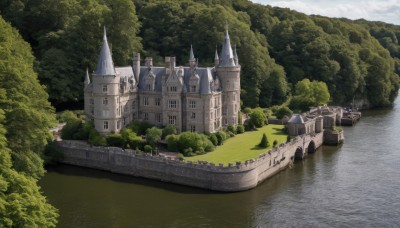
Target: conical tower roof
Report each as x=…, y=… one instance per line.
x=226, y=58
x=87, y=78
x=105, y=65
x=191, y=55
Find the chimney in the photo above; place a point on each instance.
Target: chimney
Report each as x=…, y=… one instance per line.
x=149, y=62
x=136, y=65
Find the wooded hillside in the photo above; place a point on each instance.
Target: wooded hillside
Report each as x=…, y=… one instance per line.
x=276, y=47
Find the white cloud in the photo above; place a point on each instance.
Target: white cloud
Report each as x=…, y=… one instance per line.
x=376, y=10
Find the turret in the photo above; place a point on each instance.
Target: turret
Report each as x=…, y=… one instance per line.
x=216, y=58
x=136, y=65
x=192, y=60
x=87, y=78
x=105, y=65
x=226, y=58
x=235, y=56
x=228, y=71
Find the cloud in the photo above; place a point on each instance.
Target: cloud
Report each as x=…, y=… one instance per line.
x=376, y=10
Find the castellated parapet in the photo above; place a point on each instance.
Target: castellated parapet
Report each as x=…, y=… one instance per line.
x=198, y=99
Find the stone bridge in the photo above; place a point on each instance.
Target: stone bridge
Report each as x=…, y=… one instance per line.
x=307, y=144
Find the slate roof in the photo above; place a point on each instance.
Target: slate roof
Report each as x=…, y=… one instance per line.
x=105, y=65
x=298, y=119
x=226, y=57
x=206, y=75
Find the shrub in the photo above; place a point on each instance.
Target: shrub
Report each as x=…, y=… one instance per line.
x=231, y=128
x=257, y=117
x=239, y=129
x=153, y=135
x=170, y=129
x=97, y=139
x=148, y=149
x=247, y=110
x=172, y=142
x=283, y=111
x=213, y=138
x=70, y=129
x=137, y=144
x=115, y=140
x=264, y=141
x=288, y=138
x=140, y=127
x=52, y=154
x=231, y=134
x=249, y=126
x=221, y=136
x=128, y=137
x=181, y=157
x=275, y=143
x=68, y=116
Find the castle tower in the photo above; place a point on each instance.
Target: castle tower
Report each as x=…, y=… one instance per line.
x=192, y=60
x=105, y=93
x=228, y=71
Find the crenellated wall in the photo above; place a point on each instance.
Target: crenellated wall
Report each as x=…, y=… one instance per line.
x=228, y=178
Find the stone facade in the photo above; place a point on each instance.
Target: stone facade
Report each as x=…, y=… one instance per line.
x=200, y=99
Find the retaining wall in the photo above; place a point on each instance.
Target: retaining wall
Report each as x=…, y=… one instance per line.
x=228, y=178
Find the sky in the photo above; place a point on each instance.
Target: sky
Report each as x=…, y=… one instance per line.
x=373, y=10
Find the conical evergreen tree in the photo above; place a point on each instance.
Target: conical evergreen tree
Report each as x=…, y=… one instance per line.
x=264, y=142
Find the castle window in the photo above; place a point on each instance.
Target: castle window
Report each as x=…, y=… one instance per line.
x=172, y=104
x=193, y=88
x=216, y=101
x=92, y=110
x=235, y=107
x=105, y=101
x=146, y=116
x=148, y=87
x=193, y=115
x=118, y=124
x=158, y=117
x=105, y=88
x=192, y=128
x=145, y=101
x=192, y=104
x=105, y=125
x=173, y=89
x=133, y=105
x=171, y=119
x=234, y=97
x=157, y=101
x=91, y=101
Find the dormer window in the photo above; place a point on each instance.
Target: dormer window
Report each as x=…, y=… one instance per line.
x=193, y=88
x=173, y=89
x=148, y=87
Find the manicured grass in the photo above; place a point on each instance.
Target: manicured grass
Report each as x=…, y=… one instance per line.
x=243, y=146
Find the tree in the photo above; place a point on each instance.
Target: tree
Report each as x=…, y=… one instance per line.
x=283, y=111
x=264, y=142
x=153, y=135
x=309, y=93
x=170, y=129
x=25, y=119
x=258, y=118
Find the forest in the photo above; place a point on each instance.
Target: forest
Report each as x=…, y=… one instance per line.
x=46, y=46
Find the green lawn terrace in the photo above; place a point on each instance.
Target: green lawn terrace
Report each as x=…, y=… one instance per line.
x=243, y=147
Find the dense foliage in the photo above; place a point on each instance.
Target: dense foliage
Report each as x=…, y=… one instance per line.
x=25, y=119
x=309, y=93
x=358, y=60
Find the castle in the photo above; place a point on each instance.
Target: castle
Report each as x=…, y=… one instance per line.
x=197, y=99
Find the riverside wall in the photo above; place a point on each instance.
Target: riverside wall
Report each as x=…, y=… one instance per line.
x=227, y=178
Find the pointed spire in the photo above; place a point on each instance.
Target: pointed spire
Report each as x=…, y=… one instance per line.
x=235, y=56
x=105, y=65
x=216, y=58
x=191, y=55
x=87, y=78
x=227, y=53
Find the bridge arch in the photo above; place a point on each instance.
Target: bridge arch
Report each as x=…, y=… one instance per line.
x=298, y=155
x=311, y=147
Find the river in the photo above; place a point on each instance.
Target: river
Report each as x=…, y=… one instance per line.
x=356, y=184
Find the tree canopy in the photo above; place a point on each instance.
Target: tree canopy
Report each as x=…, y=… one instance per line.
x=25, y=119
x=276, y=47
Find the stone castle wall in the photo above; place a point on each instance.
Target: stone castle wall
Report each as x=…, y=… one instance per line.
x=228, y=178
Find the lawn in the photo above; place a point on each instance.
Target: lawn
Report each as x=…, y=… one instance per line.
x=243, y=146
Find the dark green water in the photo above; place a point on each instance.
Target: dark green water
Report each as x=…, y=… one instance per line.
x=353, y=185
